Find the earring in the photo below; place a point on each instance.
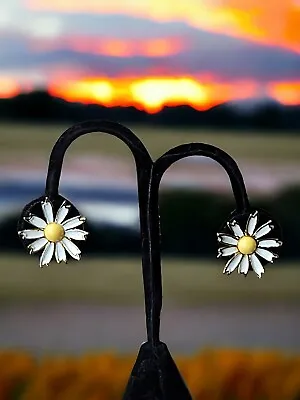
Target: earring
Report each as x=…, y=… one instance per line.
x=247, y=238
x=51, y=232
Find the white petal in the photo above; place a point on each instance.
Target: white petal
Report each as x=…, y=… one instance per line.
x=71, y=248
x=73, y=222
x=76, y=234
x=47, y=210
x=263, y=230
x=62, y=212
x=256, y=265
x=269, y=243
x=36, y=221
x=31, y=234
x=37, y=245
x=236, y=229
x=60, y=253
x=47, y=254
x=232, y=264
x=266, y=254
x=226, y=239
x=244, y=265
x=251, y=223
x=227, y=251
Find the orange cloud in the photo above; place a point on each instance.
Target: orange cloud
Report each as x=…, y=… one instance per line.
x=285, y=92
x=160, y=47
x=8, y=87
x=271, y=22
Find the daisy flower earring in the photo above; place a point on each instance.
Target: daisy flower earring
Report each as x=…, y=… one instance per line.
x=53, y=234
x=249, y=248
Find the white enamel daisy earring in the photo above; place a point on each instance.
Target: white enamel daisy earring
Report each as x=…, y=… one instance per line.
x=51, y=231
x=247, y=240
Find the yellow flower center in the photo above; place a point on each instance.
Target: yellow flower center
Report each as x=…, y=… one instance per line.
x=54, y=232
x=246, y=245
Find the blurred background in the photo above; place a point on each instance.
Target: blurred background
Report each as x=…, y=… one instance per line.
x=220, y=72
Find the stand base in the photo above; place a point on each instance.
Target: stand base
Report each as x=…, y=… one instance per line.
x=155, y=376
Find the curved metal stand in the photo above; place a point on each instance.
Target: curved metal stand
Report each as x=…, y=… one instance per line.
x=154, y=375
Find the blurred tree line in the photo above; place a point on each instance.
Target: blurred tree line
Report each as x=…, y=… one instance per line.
x=189, y=223
x=190, y=220
x=40, y=106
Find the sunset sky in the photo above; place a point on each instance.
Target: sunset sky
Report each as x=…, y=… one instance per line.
x=151, y=53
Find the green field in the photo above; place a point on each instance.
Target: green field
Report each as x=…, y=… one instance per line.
x=23, y=140
x=119, y=282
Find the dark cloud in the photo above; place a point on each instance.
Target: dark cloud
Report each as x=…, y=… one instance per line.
x=221, y=55
x=122, y=26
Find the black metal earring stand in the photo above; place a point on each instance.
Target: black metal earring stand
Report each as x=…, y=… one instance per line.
x=154, y=375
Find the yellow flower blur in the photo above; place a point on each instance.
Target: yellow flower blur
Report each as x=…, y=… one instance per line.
x=210, y=375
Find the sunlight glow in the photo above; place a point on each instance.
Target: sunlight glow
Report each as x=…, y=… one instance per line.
x=151, y=94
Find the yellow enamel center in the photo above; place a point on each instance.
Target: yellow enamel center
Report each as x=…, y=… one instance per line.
x=54, y=232
x=246, y=245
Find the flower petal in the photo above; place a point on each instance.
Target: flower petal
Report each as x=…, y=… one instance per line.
x=35, y=221
x=226, y=239
x=227, y=251
x=232, y=264
x=263, y=230
x=256, y=265
x=76, y=234
x=71, y=248
x=236, y=229
x=73, y=222
x=60, y=253
x=47, y=210
x=62, y=212
x=251, y=223
x=31, y=234
x=37, y=245
x=266, y=254
x=47, y=254
x=269, y=243
x=244, y=265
